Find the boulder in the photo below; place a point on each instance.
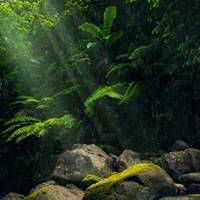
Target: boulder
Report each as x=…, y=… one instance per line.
x=181, y=162
x=89, y=180
x=180, y=145
x=181, y=189
x=13, y=196
x=55, y=192
x=143, y=181
x=128, y=190
x=194, y=189
x=127, y=159
x=72, y=166
x=190, y=178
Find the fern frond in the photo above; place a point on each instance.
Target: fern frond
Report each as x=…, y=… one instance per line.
x=26, y=131
x=21, y=119
x=22, y=130
x=67, y=121
x=109, y=91
x=67, y=91
x=25, y=100
x=14, y=127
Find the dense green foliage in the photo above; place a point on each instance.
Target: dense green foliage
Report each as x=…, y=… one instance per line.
x=122, y=74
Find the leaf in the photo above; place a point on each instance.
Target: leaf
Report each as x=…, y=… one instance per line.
x=92, y=29
x=91, y=44
x=129, y=93
x=19, y=130
x=109, y=91
x=139, y=52
x=115, y=68
x=67, y=91
x=21, y=119
x=25, y=100
x=109, y=16
x=114, y=37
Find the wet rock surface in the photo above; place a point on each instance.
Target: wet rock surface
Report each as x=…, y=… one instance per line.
x=56, y=192
x=74, y=165
x=127, y=159
x=13, y=196
x=181, y=162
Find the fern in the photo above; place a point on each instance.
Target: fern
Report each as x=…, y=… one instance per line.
x=19, y=130
x=67, y=91
x=44, y=103
x=21, y=119
x=25, y=100
x=109, y=91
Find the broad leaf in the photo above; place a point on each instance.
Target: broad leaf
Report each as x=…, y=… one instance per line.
x=92, y=29
x=109, y=16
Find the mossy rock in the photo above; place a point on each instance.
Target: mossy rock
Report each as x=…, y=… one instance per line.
x=52, y=192
x=145, y=176
x=13, y=196
x=37, y=193
x=90, y=179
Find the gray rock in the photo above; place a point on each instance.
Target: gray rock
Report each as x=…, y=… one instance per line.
x=129, y=190
x=190, y=178
x=181, y=189
x=13, y=196
x=181, y=162
x=43, y=185
x=127, y=159
x=180, y=145
x=56, y=192
x=72, y=166
x=194, y=189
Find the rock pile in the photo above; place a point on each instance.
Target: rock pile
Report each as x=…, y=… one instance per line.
x=86, y=173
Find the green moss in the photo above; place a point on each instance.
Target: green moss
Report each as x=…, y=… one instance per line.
x=97, y=190
x=91, y=177
x=194, y=195
x=36, y=193
x=127, y=173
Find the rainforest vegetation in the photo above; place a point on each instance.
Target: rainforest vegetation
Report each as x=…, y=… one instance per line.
x=116, y=73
